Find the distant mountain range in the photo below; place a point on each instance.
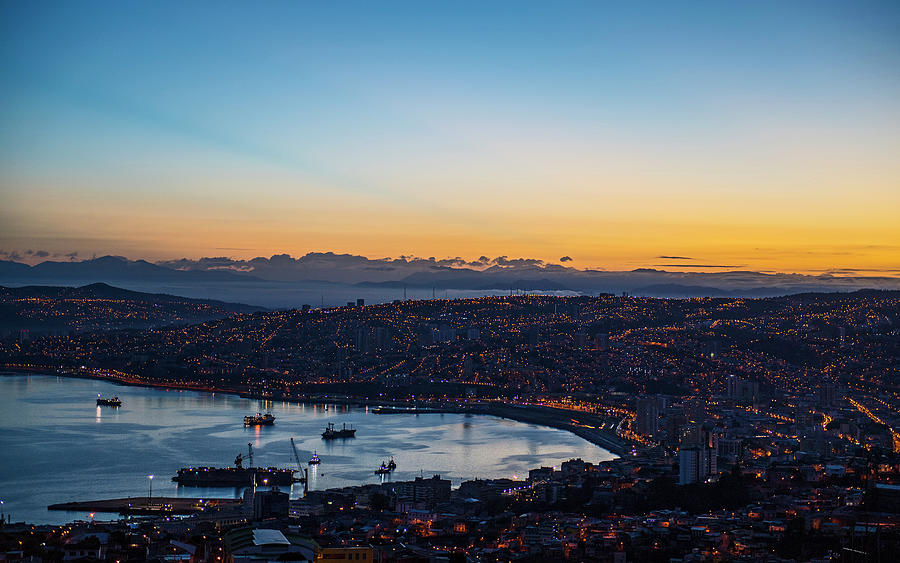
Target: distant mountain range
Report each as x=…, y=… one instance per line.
x=387, y=278
x=109, y=268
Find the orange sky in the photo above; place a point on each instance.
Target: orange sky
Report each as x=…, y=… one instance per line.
x=754, y=136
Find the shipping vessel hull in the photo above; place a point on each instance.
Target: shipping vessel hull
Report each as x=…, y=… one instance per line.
x=233, y=476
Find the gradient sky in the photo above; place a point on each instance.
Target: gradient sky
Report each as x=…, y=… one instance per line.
x=753, y=135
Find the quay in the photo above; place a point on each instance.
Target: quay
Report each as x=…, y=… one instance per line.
x=143, y=505
x=584, y=425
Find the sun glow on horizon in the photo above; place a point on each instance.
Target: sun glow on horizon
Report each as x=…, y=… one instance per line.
x=611, y=134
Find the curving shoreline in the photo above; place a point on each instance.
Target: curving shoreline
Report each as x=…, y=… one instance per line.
x=585, y=426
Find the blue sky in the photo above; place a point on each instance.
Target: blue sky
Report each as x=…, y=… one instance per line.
x=529, y=128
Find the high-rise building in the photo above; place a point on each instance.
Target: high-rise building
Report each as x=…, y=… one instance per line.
x=362, y=340
x=580, y=339
x=827, y=394
x=741, y=389
x=270, y=504
x=382, y=338
x=696, y=464
x=534, y=335
x=731, y=448
x=428, y=491
x=675, y=421
x=446, y=333
x=697, y=455
x=647, y=416
x=688, y=465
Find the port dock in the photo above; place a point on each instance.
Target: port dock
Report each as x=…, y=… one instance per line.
x=143, y=505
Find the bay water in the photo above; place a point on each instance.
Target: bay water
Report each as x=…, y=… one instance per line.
x=57, y=446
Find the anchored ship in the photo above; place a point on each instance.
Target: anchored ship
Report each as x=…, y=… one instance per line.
x=237, y=476
x=260, y=419
x=114, y=402
x=386, y=468
x=344, y=432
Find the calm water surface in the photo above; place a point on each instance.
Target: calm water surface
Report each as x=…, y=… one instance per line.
x=57, y=446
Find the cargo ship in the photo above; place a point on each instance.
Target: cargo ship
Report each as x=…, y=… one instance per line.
x=237, y=476
x=114, y=402
x=330, y=433
x=260, y=419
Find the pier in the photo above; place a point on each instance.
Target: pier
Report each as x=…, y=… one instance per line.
x=143, y=505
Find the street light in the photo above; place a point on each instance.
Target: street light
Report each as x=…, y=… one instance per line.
x=150, y=494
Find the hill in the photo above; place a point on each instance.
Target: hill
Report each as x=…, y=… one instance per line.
x=99, y=306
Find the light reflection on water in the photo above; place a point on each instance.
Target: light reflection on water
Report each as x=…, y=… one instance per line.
x=58, y=446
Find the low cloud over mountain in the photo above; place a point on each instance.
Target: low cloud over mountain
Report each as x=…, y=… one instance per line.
x=349, y=268
x=323, y=270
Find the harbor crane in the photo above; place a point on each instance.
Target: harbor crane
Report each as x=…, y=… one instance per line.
x=239, y=460
x=300, y=466
x=296, y=455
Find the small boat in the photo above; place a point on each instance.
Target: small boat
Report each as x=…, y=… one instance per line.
x=385, y=469
x=114, y=402
x=260, y=419
x=315, y=459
